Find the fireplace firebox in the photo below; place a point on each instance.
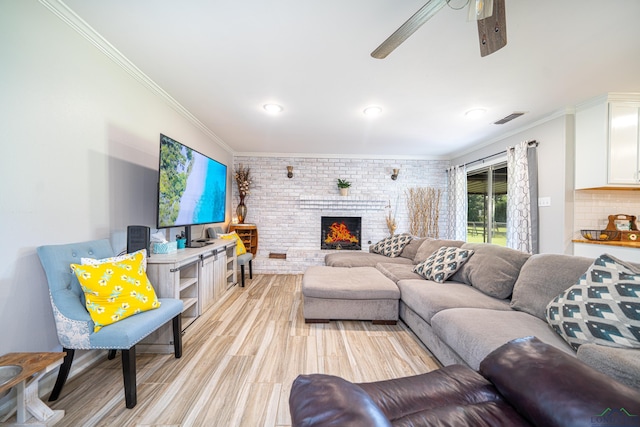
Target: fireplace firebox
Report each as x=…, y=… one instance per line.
x=341, y=232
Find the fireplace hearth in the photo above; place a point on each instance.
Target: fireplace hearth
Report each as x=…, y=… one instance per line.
x=341, y=232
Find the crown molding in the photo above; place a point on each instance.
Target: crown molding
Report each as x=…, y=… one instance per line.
x=68, y=16
x=340, y=156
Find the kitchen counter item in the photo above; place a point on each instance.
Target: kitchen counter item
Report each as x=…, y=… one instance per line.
x=600, y=235
x=622, y=222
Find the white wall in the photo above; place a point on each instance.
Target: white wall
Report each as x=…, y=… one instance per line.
x=555, y=177
x=79, y=158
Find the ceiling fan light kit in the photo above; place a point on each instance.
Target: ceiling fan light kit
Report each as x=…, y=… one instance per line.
x=480, y=9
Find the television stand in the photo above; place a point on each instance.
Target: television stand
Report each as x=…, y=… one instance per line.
x=195, y=243
x=200, y=277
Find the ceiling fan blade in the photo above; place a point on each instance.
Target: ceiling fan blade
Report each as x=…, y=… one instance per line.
x=492, y=31
x=408, y=28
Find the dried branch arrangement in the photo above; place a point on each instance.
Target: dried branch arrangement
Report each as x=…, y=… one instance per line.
x=423, y=206
x=391, y=223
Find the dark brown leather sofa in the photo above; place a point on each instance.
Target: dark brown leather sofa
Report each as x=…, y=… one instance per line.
x=525, y=382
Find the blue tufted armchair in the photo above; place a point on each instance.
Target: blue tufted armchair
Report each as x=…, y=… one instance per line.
x=74, y=324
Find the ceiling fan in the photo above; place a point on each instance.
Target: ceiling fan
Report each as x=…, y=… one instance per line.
x=490, y=15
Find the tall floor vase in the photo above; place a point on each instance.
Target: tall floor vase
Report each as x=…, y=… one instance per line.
x=241, y=211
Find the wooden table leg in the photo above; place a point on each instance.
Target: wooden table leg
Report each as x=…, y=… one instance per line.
x=31, y=411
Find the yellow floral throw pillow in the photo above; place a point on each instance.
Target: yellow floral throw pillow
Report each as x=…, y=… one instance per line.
x=115, y=291
x=240, y=248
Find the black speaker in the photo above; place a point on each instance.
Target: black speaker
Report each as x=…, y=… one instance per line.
x=138, y=237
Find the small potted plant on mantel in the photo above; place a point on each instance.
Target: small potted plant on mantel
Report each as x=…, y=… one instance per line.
x=344, y=185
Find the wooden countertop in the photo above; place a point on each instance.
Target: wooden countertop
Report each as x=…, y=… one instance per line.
x=31, y=363
x=621, y=243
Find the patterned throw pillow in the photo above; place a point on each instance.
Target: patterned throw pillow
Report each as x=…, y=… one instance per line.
x=602, y=308
x=391, y=246
x=443, y=263
x=115, y=291
x=240, y=248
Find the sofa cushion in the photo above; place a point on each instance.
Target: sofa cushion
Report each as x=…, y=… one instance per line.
x=360, y=259
x=473, y=333
x=397, y=272
x=391, y=246
x=602, y=308
x=357, y=283
x=542, y=278
x=623, y=364
x=443, y=263
x=492, y=269
x=412, y=247
x=429, y=246
x=427, y=298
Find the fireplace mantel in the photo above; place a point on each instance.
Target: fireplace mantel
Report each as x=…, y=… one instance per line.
x=342, y=203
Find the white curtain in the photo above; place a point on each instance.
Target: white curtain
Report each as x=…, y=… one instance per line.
x=522, y=197
x=457, y=193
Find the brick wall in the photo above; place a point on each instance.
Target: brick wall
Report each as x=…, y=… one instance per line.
x=285, y=225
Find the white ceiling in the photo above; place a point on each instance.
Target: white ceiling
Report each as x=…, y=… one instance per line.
x=222, y=60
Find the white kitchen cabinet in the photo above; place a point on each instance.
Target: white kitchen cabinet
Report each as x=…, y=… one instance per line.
x=607, y=142
x=624, y=143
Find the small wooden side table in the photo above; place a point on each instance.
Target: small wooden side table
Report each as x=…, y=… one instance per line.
x=30, y=410
x=248, y=234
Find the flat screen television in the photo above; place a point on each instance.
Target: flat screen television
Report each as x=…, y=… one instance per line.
x=192, y=188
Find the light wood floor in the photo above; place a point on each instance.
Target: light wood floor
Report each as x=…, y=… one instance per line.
x=238, y=363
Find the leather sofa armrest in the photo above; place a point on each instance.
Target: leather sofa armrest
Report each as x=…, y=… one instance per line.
x=552, y=388
x=325, y=400
x=453, y=385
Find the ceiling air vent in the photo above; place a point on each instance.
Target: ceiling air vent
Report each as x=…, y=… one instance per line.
x=508, y=118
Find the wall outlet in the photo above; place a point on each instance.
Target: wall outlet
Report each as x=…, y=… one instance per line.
x=544, y=201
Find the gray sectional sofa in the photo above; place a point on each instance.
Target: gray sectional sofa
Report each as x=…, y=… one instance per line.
x=498, y=295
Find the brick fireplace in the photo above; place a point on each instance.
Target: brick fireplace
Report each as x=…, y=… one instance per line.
x=341, y=232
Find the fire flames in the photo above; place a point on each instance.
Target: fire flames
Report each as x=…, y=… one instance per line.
x=340, y=233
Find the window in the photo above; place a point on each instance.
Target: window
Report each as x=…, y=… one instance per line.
x=487, y=205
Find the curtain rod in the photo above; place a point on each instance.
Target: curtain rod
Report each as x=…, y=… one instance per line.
x=485, y=158
x=532, y=143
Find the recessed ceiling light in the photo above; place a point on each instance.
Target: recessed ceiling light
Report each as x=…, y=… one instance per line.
x=475, y=113
x=372, y=111
x=273, y=108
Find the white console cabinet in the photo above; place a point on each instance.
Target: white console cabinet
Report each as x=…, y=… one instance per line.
x=197, y=276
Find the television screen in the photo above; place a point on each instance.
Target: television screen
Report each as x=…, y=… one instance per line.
x=192, y=188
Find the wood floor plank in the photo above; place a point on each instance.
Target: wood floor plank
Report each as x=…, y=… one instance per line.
x=239, y=361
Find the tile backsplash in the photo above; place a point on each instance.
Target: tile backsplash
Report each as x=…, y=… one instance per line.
x=593, y=207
